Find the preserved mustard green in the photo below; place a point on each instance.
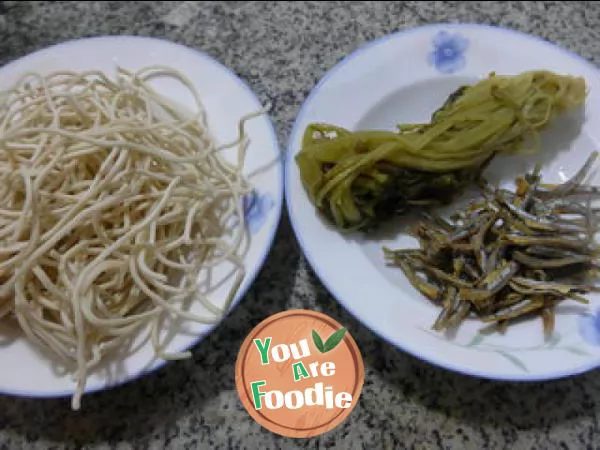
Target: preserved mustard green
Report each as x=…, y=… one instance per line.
x=358, y=179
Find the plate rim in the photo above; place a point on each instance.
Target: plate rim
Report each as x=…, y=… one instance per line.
x=251, y=275
x=294, y=221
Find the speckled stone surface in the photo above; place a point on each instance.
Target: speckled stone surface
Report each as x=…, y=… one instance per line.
x=281, y=50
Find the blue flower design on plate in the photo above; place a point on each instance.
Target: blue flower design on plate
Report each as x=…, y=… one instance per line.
x=256, y=209
x=448, y=52
x=589, y=328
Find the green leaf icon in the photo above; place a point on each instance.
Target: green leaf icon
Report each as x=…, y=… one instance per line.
x=318, y=341
x=334, y=340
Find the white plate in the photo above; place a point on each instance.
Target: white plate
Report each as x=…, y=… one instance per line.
x=404, y=77
x=226, y=99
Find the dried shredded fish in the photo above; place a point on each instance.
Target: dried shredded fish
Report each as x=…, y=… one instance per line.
x=510, y=255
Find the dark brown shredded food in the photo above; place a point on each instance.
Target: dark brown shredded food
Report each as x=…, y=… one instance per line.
x=508, y=256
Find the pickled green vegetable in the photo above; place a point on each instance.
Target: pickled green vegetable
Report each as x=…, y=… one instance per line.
x=360, y=179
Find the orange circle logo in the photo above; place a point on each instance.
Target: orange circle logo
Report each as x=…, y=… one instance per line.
x=299, y=373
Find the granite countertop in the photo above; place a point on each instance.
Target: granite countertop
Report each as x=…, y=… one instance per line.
x=281, y=50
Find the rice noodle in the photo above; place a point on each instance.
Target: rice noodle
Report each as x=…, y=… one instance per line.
x=114, y=202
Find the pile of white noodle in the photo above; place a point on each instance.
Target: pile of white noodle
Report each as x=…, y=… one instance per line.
x=113, y=202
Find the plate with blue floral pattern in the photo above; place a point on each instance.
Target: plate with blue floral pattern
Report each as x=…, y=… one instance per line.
x=226, y=99
x=403, y=78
